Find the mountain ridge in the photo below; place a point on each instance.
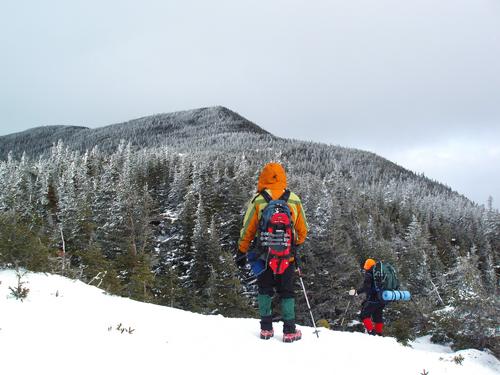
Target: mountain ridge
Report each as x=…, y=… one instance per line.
x=152, y=130
x=216, y=126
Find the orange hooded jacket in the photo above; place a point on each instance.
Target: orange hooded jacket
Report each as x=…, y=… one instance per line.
x=273, y=179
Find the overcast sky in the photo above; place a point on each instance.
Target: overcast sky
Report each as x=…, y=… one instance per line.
x=417, y=82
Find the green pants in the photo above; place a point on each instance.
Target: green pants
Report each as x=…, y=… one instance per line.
x=287, y=307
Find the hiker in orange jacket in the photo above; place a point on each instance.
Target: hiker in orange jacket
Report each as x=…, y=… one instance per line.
x=272, y=185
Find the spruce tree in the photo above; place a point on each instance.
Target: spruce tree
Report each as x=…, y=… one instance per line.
x=470, y=320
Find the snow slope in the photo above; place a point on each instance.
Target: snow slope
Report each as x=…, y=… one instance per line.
x=68, y=327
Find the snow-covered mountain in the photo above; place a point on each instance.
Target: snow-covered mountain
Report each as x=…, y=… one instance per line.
x=66, y=326
x=160, y=129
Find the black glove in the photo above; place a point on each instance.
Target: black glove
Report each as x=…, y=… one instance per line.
x=241, y=259
x=303, y=259
x=299, y=258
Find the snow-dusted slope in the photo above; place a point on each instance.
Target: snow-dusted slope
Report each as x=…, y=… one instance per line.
x=68, y=327
x=155, y=130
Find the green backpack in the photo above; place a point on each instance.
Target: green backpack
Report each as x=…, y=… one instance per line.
x=384, y=277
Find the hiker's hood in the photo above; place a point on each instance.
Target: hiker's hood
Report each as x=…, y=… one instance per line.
x=272, y=177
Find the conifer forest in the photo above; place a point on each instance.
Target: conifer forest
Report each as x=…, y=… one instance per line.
x=151, y=209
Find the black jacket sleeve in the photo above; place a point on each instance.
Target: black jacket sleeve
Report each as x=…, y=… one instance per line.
x=366, y=287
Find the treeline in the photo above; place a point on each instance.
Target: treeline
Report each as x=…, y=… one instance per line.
x=160, y=224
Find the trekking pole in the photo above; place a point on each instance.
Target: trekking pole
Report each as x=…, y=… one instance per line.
x=307, y=301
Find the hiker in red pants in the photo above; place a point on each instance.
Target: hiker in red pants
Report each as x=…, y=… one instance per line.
x=373, y=307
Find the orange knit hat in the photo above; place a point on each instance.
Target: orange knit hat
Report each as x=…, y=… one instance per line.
x=369, y=263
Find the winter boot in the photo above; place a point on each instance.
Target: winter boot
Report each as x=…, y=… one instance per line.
x=379, y=328
x=266, y=327
x=266, y=334
x=291, y=337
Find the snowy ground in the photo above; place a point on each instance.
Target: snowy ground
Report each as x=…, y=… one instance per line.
x=68, y=327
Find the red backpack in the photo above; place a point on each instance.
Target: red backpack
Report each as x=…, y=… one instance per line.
x=276, y=232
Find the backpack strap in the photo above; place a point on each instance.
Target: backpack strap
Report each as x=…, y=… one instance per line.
x=285, y=195
x=268, y=198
